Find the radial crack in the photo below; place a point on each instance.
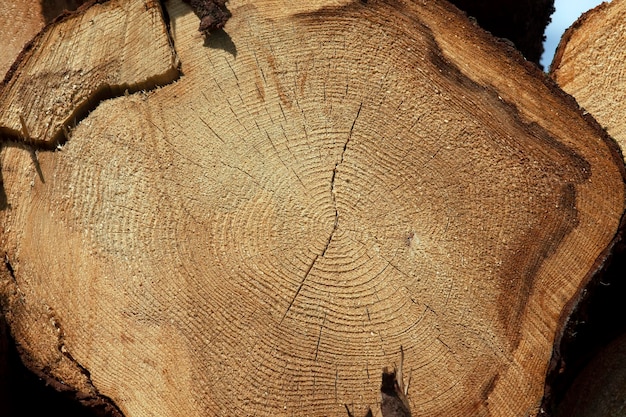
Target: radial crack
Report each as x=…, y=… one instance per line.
x=308, y=271
x=9, y=267
x=319, y=337
x=334, y=199
x=11, y=271
x=333, y=193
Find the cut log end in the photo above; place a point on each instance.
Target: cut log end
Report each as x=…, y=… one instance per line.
x=588, y=65
x=263, y=234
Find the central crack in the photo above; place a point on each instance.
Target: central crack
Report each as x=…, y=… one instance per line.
x=333, y=195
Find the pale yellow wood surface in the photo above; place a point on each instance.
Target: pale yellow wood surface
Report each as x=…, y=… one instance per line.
x=88, y=57
x=590, y=66
x=21, y=20
x=318, y=189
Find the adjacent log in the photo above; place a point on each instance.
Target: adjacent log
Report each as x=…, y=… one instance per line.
x=326, y=183
x=600, y=390
x=60, y=76
x=589, y=64
x=21, y=20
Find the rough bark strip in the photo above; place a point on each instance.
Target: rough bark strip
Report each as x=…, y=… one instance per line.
x=213, y=14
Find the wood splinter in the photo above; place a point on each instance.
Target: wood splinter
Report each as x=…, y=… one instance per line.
x=393, y=392
x=25, y=134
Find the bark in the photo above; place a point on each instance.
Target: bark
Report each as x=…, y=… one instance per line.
x=23, y=393
x=522, y=22
x=325, y=183
x=51, y=9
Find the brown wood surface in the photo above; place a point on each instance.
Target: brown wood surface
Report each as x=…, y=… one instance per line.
x=325, y=183
x=589, y=64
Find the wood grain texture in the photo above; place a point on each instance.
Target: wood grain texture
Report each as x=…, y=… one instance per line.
x=64, y=72
x=21, y=21
x=327, y=182
x=589, y=64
